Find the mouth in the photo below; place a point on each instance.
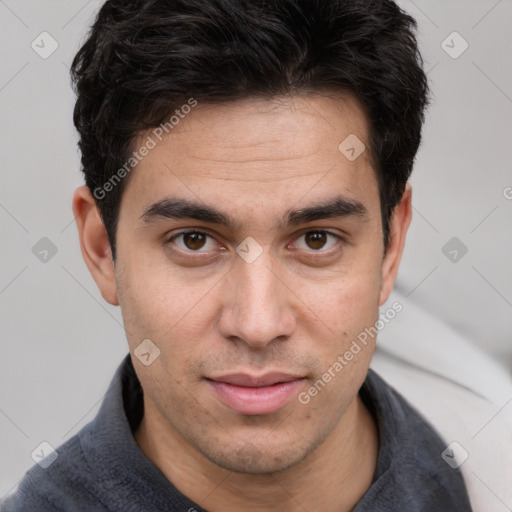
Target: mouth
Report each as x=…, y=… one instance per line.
x=252, y=395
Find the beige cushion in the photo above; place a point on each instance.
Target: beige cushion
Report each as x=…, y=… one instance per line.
x=464, y=393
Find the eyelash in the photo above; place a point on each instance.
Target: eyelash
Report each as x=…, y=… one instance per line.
x=186, y=254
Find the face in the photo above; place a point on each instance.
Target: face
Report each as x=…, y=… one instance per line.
x=252, y=302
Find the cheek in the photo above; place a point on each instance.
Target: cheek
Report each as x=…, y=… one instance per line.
x=159, y=301
x=155, y=307
x=349, y=299
x=347, y=307
x=173, y=396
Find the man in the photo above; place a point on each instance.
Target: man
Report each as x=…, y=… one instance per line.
x=246, y=205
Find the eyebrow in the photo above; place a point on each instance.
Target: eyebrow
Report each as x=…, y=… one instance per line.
x=179, y=208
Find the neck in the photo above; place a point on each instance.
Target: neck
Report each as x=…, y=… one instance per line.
x=333, y=478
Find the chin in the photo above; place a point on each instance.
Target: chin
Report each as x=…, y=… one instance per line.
x=251, y=459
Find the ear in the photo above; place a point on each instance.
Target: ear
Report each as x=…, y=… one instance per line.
x=94, y=244
x=399, y=224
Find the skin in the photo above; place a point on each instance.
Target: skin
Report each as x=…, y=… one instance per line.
x=294, y=309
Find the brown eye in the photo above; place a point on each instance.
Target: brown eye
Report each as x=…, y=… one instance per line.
x=193, y=241
x=317, y=241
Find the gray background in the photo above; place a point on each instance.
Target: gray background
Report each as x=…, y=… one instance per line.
x=61, y=342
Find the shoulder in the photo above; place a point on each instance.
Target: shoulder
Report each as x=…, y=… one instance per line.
x=63, y=485
x=411, y=471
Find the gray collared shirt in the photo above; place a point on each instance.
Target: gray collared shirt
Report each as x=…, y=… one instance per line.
x=101, y=468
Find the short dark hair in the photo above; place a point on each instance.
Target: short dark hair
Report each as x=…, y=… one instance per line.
x=143, y=59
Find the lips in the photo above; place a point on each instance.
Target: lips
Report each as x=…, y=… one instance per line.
x=269, y=379
x=251, y=394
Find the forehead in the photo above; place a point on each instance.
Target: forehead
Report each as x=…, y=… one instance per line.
x=259, y=151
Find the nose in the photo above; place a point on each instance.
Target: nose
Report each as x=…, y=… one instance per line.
x=258, y=306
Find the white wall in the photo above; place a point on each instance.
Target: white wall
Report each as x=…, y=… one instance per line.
x=61, y=342
x=464, y=172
